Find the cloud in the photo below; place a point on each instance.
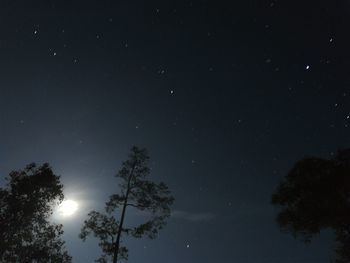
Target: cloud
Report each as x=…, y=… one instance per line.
x=194, y=217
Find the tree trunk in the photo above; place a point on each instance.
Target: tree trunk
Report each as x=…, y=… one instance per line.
x=117, y=242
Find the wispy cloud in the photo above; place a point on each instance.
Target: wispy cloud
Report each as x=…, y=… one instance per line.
x=191, y=216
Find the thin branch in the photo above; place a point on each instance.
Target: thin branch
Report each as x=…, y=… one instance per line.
x=137, y=206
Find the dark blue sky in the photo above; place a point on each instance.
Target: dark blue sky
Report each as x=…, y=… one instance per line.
x=226, y=96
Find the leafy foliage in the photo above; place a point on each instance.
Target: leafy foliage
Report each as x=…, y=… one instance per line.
x=135, y=192
x=315, y=195
x=25, y=205
x=105, y=228
x=343, y=241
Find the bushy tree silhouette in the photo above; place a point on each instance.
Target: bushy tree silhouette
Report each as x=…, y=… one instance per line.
x=135, y=192
x=26, y=203
x=315, y=195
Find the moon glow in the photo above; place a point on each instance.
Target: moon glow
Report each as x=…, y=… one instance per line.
x=68, y=208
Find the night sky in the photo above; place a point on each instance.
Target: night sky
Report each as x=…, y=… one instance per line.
x=225, y=95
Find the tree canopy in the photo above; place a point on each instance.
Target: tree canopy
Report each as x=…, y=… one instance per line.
x=26, y=203
x=315, y=195
x=135, y=192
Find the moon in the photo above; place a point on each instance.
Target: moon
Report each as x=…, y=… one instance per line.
x=68, y=208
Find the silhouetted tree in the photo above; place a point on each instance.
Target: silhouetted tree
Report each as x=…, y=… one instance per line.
x=135, y=192
x=26, y=203
x=315, y=195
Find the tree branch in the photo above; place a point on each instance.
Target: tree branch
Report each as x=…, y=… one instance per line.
x=137, y=206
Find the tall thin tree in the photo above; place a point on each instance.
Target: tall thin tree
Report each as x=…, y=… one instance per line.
x=137, y=193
